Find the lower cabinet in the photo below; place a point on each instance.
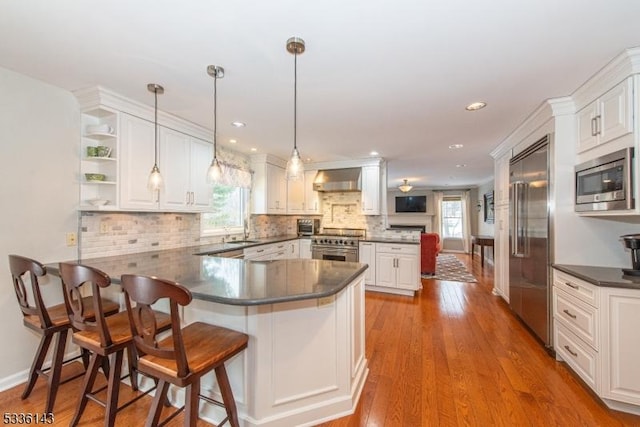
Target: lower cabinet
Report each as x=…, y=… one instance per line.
x=393, y=267
x=305, y=248
x=595, y=333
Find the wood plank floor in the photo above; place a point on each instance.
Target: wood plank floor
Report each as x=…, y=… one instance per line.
x=453, y=356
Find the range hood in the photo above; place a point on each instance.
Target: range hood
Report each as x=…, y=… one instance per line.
x=347, y=179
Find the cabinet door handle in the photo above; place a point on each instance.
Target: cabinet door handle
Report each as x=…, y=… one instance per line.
x=571, y=286
x=193, y=198
x=598, y=124
x=568, y=313
x=566, y=347
x=187, y=199
x=593, y=127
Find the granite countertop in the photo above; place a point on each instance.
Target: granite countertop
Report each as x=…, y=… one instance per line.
x=233, y=281
x=611, y=277
x=376, y=239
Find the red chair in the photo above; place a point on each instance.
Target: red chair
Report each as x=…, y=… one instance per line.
x=429, y=250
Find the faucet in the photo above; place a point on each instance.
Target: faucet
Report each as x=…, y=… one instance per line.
x=245, y=225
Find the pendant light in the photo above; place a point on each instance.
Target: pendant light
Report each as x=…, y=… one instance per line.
x=154, y=182
x=405, y=188
x=295, y=167
x=214, y=174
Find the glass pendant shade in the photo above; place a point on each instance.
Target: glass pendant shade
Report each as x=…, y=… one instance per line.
x=155, y=182
x=295, y=167
x=214, y=174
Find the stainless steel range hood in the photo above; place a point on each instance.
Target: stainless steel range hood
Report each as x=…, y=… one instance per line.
x=347, y=179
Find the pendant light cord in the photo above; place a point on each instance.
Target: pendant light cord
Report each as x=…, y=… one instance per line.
x=155, y=94
x=295, y=99
x=215, y=114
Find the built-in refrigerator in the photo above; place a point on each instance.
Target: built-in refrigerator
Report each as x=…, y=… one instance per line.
x=529, y=239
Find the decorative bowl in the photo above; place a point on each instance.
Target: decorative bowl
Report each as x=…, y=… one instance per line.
x=98, y=202
x=95, y=176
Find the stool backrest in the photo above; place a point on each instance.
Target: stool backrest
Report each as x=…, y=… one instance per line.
x=74, y=278
x=145, y=291
x=19, y=266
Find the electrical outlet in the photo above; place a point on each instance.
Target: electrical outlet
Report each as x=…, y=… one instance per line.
x=104, y=227
x=72, y=239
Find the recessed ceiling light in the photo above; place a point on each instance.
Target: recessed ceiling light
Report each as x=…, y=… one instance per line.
x=455, y=146
x=238, y=124
x=254, y=149
x=374, y=153
x=461, y=165
x=475, y=106
x=232, y=141
x=308, y=159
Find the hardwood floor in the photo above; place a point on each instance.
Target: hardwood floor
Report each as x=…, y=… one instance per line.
x=452, y=356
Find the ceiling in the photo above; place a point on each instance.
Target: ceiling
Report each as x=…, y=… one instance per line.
x=390, y=76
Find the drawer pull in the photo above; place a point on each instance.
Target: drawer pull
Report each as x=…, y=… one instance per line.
x=568, y=313
x=571, y=286
x=566, y=347
x=260, y=250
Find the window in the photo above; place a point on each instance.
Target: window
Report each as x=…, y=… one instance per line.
x=452, y=218
x=228, y=211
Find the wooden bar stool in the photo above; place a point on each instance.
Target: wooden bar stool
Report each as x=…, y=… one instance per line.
x=49, y=322
x=185, y=356
x=106, y=338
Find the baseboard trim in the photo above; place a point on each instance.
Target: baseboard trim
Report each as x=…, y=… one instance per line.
x=21, y=377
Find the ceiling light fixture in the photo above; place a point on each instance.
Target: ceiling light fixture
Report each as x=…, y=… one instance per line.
x=461, y=165
x=232, y=141
x=374, y=153
x=154, y=183
x=238, y=124
x=214, y=174
x=455, y=146
x=474, y=106
x=405, y=188
x=295, y=167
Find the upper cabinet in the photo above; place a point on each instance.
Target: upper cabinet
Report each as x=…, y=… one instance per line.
x=311, y=197
x=607, y=118
x=295, y=196
x=269, y=192
x=370, y=203
x=184, y=161
x=501, y=181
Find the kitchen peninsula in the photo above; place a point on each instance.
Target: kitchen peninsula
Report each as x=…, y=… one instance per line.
x=305, y=318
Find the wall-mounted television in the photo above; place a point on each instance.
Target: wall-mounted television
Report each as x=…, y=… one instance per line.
x=411, y=204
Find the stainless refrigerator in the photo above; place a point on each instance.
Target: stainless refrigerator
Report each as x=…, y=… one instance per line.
x=529, y=237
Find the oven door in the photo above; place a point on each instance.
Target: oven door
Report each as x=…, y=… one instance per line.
x=334, y=254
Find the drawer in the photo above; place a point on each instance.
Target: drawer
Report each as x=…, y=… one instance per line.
x=579, y=317
x=393, y=248
x=576, y=287
x=257, y=251
x=579, y=356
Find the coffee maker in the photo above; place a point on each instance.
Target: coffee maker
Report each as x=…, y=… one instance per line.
x=632, y=241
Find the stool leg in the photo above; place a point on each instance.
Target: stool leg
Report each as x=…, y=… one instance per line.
x=227, y=395
x=56, y=369
x=133, y=369
x=191, y=404
x=156, y=406
x=87, y=386
x=37, y=364
x=113, y=389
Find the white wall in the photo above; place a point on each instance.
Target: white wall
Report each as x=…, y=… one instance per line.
x=39, y=166
x=484, y=228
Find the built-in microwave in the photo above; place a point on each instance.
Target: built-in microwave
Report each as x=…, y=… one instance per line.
x=308, y=227
x=605, y=183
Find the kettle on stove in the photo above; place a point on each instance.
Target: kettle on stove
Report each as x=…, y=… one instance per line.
x=632, y=241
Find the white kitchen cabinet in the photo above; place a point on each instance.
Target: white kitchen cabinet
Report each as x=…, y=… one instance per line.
x=99, y=129
x=607, y=118
x=620, y=345
x=269, y=192
x=370, y=196
x=367, y=255
x=295, y=196
x=595, y=333
x=305, y=248
x=311, y=197
x=293, y=249
x=501, y=262
x=397, y=267
x=185, y=161
x=501, y=182
x=136, y=158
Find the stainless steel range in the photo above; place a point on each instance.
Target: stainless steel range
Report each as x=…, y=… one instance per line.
x=337, y=244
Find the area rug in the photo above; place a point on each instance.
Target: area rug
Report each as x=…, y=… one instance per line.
x=448, y=267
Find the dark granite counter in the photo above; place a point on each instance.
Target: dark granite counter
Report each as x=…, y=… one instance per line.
x=375, y=239
x=601, y=276
x=231, y=245
x=233, y=281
